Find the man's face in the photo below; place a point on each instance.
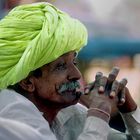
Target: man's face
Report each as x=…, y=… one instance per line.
x=59, y=81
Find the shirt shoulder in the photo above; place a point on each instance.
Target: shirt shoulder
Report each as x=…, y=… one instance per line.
x=14, y=106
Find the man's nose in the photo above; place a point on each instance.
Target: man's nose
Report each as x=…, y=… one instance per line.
x=74, y=73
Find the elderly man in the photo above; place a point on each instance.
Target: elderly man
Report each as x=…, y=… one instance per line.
x=38, y=48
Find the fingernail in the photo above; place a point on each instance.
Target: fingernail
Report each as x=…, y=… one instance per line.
x=86, y=91
x=122, y=100
x=112, y=94
x=101, y=89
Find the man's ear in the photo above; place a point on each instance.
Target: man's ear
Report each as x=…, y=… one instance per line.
x=28, y=84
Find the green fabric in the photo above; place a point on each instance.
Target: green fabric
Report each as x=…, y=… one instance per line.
x=33, y=35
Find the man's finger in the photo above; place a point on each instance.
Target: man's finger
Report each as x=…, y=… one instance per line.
x=102, y=84
x=122, y=97
x=98, y=75
x=113, y=74
x=114, y=89
x=122, y=84
x=89, y=87
x=94, y=90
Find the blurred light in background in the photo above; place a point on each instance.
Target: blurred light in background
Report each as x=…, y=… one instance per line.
x=103, y=8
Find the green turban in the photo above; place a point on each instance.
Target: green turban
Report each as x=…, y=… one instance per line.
x=33, y=35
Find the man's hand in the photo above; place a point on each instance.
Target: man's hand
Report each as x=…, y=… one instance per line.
x=129, y=104
x=102, y=87
x=97, y=95
x=105, y=94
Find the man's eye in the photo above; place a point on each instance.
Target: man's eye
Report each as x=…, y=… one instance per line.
x=61, y=66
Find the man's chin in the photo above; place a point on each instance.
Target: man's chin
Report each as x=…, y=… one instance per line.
x=69, y=98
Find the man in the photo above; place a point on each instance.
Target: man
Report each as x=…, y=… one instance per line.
x=38, y=48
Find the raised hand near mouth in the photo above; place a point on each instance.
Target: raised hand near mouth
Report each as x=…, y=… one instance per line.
x=105, y=93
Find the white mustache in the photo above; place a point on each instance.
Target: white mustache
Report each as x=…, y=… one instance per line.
x=68, y=86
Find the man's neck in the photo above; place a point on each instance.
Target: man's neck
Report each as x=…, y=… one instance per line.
x=49, y=109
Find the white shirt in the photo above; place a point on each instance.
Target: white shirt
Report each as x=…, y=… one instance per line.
x=70, y=121
x=14, y=130
x=16, y=107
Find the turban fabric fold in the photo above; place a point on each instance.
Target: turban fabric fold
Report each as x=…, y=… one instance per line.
x=33, y=35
